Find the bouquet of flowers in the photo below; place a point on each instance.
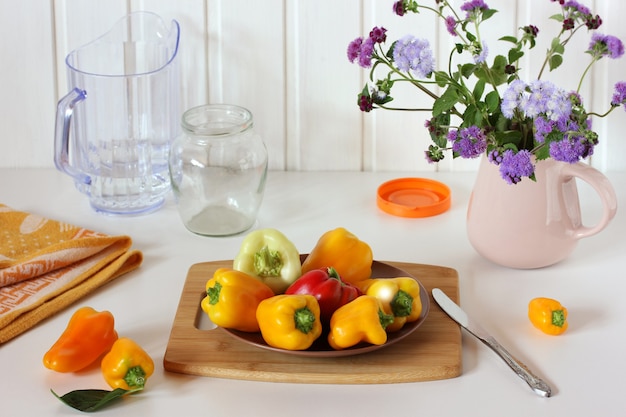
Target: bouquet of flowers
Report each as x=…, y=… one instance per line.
x=484, y=107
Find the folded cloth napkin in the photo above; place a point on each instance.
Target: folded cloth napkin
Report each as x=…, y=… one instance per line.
x=46, y=265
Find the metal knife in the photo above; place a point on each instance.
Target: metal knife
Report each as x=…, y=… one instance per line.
x=457, y=314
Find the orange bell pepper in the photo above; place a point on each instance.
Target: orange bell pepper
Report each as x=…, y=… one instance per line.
x=350, y=257
x=88, y=335
x=548, y=315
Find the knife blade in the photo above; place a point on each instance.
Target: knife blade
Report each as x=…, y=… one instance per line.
x=455, y=312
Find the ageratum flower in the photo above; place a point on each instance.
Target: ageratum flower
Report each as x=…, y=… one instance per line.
x=414, y=55
x=481, y=105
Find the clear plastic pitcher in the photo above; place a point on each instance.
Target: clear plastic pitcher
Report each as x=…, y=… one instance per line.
x=115, y=127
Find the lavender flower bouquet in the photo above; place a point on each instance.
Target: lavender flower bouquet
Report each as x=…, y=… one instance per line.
x=513, y=121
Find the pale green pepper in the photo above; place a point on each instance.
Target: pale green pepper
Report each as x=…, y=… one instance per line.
x=268, y=255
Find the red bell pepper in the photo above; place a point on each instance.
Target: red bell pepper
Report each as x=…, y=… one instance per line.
x=327, y=287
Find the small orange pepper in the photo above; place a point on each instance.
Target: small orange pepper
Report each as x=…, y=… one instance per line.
x=351, y=257
x=127, y=365
x=548, y=315
x=88, y=335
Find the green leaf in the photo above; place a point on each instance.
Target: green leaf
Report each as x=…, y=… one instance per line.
x=557, y=47
x=468, y=69
x=496, y=74
x=511, y=39
x=555, y=61
x=447, y=100
x=470, y=116
x=557, y=17
x=512, y=137
x=441, y=78
x=89, y=400
x=493, y=101
x=515, y=54
x=479, y=89
x=488, y=13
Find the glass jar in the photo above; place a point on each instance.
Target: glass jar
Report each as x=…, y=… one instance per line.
x=218, y=169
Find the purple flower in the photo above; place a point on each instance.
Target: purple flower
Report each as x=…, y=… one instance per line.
x=361, y=50
x=468, y=142
x=451, y=25
x=605, y=45
x=415, y=55
x=366, y=103
x=619, y=97
x=575, y=6
x=537, y=98
x=570, y=149
x=473, y=7
x=398, y=8
x=365, y=55
x=495, y=157
x=542, y=128
x=354, y=49
x=378, y=34
x=515, y=166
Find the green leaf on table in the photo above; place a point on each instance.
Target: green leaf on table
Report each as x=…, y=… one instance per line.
x=89, y=400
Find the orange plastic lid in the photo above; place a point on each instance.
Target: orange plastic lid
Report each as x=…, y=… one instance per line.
x=413, y=197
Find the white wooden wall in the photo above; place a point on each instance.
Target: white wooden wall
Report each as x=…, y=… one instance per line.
x=284, y=60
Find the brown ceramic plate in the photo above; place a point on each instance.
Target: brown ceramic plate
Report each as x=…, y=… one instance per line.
x=321, y=348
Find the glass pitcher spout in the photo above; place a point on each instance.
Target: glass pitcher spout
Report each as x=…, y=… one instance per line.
x=138, y=44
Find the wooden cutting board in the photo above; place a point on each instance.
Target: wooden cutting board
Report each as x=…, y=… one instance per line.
x=431, y=352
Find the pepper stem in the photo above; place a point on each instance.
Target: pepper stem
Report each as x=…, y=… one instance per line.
x=267, y=262
x=558, y=318
x=402, y=304
x=135, y=377
x=385, y=319
x=304, y=319
x=214, y=293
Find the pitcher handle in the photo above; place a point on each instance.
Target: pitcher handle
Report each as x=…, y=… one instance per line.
x=65, y=109
x=603, y=188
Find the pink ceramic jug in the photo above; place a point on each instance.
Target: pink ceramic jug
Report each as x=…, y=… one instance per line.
x=534, y=224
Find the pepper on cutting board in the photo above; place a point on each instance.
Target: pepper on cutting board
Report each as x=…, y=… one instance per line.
x=126, y=365
x=327, y=287
x=399, y=296
x=548, y=315
x=289, y=321
x=88, y=335
x=344, y=251
x=361, y=320
x=232, y=298
x=271, y=257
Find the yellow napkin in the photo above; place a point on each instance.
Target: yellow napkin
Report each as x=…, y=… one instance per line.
x=46, y=265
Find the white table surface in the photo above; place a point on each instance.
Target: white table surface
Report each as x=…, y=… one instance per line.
x=585, y=366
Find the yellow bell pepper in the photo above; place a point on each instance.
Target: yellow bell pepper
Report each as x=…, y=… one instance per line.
x=349, y=256
x=232, y=298
x=361, y=320
x=290, y=321
x=127, y=365
x=399, y=296
x=548, y=315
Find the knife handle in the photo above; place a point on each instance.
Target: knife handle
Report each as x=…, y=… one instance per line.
x=537, y=384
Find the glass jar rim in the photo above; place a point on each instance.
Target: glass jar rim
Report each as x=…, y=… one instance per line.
x=216, y=120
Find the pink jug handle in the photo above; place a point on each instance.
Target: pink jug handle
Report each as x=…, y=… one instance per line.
x=603, y=188
x=65, y=109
